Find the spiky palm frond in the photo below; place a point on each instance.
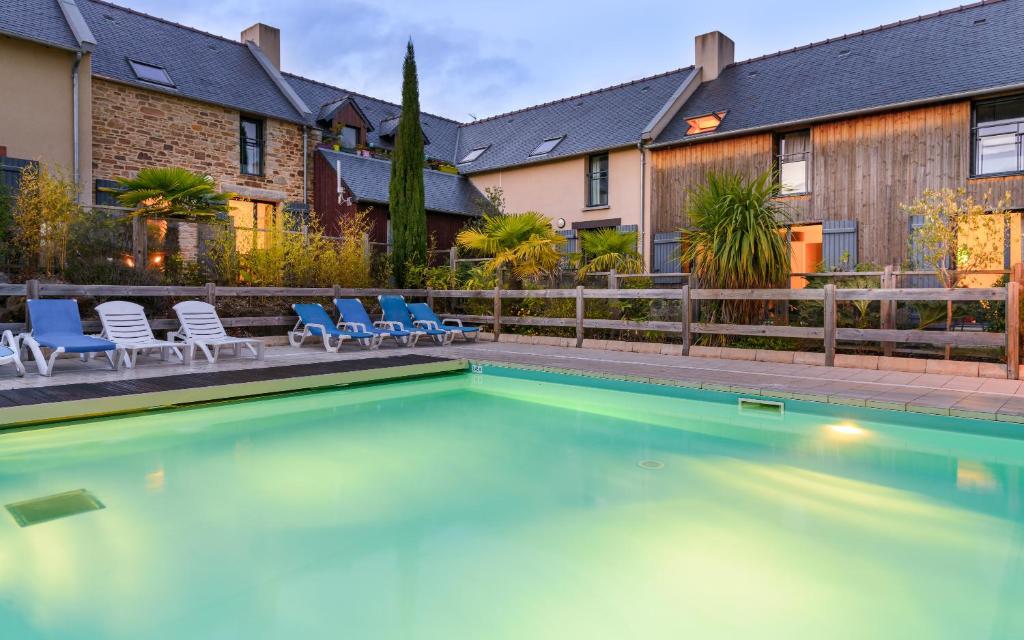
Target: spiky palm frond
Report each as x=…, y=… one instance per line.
x=734, y=241
x=607, y=249
x=524, y=243
x=172, y=192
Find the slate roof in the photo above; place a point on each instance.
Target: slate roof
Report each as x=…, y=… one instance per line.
x=924, y=58
x=603, y=119
x=369, y=179
x=38, y=20
x=440, y=132
x=203, y=66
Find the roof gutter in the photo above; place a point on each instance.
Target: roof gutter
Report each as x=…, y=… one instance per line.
x=841, y=115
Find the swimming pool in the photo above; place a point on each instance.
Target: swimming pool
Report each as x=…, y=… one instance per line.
x=515, y=505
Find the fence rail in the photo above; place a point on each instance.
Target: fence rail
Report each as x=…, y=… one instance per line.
x=686, y=326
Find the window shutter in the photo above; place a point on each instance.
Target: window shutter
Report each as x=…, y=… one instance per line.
x=666, y=252
x=839, y=244
x=917, y=259
x=570, y=240
x=627, y=228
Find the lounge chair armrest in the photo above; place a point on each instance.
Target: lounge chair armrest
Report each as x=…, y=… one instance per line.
x=387, y=324
x=316, y=325
x=452, y=321
x=355, y=327
x=426, y=324
x=9, y=339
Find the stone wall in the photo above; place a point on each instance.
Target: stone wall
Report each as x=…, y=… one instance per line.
x=134, y=128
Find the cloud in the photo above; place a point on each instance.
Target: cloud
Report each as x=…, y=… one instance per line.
x=360, y=47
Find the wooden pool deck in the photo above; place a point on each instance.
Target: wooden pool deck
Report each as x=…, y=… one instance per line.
x=92, y=388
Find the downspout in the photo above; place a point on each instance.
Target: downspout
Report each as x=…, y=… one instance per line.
x=74, y=122
x=643, y=201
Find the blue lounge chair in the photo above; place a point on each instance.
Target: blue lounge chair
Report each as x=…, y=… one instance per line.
x=354, y=318
x=425, y=317
x=10, y=352
x=57, y=326
x=314, y=321
x=398, y=317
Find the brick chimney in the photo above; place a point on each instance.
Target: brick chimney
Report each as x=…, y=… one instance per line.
x=267, y=38
x=713, y=52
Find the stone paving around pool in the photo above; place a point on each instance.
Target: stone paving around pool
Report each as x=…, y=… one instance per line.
x=939, y=394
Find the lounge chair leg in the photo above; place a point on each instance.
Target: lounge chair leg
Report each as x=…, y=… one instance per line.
x=37, y=354
x=52, y=360
x=210, y=357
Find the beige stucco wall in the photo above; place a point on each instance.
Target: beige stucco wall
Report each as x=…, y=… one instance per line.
x=556, y=189
x=36, y=106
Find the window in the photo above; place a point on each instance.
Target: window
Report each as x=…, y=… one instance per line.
x=151, y=73
x=597, y=180
x=793, y=162
x=705, y=123
x=349, y=137
x=998, y=130
x=547, y=146
x=473, y=155
x=251, y=144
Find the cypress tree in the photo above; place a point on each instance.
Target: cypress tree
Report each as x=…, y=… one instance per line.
x=408, y=212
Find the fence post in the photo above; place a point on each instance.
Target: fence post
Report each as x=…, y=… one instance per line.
x=613, y=280
x=337, y=291
x=686, y=319
x=579, y=317
x=211, y=293
x=32, y=289
x=430, y=297
x=1012, y=329
x=887, y=308
x=139, y=241
x=453, y=259
x=830, y=325
x=497, y=312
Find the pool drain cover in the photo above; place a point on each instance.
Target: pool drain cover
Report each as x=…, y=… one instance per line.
x=60, y=505
x=650, y=464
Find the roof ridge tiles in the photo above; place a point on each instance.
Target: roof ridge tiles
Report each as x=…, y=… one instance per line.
x=348, y=92
x=578, y=95
x=882, y=27
x=165, y=21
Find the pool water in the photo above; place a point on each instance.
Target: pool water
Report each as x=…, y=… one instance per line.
x=515, y=505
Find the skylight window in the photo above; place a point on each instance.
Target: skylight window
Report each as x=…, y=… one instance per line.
x=547, y=146
x=705, y=123
x=151, y=73
x=474, y=154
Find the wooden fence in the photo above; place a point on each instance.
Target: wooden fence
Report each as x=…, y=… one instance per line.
x=685, y=326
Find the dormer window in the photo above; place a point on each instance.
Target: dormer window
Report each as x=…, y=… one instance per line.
x=349, y=137
x=547, y=146
x=473, y=155
x=151, y=73
x=705, y=123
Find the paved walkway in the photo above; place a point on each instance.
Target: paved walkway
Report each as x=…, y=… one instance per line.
x=984, y=398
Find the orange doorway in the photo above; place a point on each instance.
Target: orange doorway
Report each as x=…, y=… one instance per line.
x=804, y=252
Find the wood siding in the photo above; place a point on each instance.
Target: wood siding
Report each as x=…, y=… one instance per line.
x=441, y=227
x=863, y=169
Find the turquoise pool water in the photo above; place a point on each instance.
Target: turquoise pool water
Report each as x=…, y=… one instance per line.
x=515, y=505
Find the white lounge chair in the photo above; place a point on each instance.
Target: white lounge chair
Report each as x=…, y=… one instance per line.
x=10, y=352
x=125, y=324
x=201, y=327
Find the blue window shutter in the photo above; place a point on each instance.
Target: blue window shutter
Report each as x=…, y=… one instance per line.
x=627, y=228
x=666, y=252
x=570, y=240
x=839, y=244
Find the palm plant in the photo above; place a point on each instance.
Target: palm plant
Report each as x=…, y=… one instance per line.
x=607, y=249
x=172, y=192
x=524, y=243
x=735, y=239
